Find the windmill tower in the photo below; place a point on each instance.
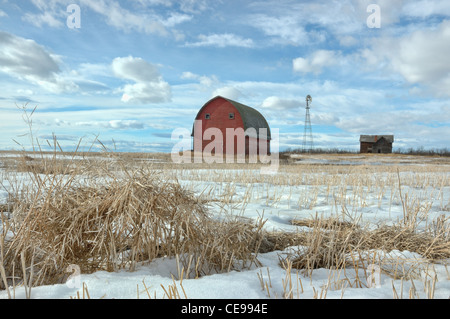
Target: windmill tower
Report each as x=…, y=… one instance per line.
x=307, y=135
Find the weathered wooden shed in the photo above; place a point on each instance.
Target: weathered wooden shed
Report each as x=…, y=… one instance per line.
x=222, y=114
x=376, y=143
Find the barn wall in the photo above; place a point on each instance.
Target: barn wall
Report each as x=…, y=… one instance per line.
x=219, y=110
x=382, y=146
x=365, y=147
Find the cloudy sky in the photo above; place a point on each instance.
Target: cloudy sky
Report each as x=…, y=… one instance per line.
x=131, y=72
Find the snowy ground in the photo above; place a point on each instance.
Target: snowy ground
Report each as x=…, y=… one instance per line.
x=279, y=204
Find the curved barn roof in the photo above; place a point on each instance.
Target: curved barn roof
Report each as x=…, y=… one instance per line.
x=250, y=116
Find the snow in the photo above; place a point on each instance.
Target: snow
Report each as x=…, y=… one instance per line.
x=232, y=285
x=278, y=204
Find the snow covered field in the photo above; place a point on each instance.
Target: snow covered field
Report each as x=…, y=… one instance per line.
x=355, y=188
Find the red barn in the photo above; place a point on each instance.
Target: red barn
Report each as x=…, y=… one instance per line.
x=220, y=117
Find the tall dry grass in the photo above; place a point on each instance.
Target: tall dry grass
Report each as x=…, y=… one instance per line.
x=100, y=218
x=108, y=212
x=357, y=256
x=331, y=242
x=111, y=211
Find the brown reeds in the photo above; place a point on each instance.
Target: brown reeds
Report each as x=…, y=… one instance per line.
x=333, y=243
x=326, y=243
x=113, y=221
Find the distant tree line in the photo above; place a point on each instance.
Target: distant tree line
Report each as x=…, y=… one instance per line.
x=408, y=151
x=320, y=151
x=422, y=151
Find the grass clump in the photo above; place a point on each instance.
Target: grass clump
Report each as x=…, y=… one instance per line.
x=113, y=220
x=333, y=243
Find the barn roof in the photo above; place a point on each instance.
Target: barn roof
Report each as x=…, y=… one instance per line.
x=250, y=116
x=375, y=138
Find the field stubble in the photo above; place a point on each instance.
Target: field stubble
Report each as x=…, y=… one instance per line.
x=107, y=211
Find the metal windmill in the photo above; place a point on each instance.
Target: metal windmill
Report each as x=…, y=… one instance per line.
x=307, y=135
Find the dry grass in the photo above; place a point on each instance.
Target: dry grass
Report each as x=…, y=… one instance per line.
x=111, y=211
x=333, y=243
x=327, y=243
x=100, y=219
x=353, y=255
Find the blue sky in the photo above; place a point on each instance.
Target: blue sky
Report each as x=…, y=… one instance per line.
x=137, y=70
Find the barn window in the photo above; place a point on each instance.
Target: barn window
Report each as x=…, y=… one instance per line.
x=207, y=116
x=231, y=116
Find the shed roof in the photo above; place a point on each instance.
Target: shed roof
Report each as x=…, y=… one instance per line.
x=375, y=138
x=251, y=117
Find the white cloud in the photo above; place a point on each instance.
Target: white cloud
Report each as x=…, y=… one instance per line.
x=46, y=18
x=302, y=23
x=27, y=60
x=324, y=118
x=112, y=124
x=91, y=70
x=347, y=41
x=275, y=103
x=221, y=41
x=125, y=20
x=136, y=69
x=53, y=13
x=228, y=92
x=146, y=92
x=175, y=19
x=426, y=8
x=124, y=124
x=190, y=6
x=145, y=3
x=423, y=56
x=290, y=111
x=316, y=61
x=195, y=6
x=420, y=57
x=204, y=80
x=59, y=84
x=287, y=28
x=189, y=75
x=149, y=87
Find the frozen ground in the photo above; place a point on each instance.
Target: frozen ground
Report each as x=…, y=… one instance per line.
x=279, y=204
